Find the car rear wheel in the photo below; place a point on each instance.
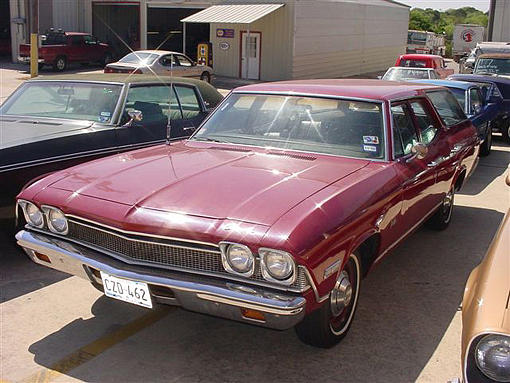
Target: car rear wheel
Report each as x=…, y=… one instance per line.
x=485, y=149
x=60, y=63
x=329, y=324
x=443, y=216
x=205, y=76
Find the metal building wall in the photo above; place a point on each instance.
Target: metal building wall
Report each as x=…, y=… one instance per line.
x=501, y=31
x=345, y=38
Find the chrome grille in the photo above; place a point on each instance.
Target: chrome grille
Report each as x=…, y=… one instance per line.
x=161, y=253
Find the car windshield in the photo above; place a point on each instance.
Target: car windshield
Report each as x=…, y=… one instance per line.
x=323, y=125
x=70, y=100
x=139, y=58
x=460, y=96
x=395, y=74
x=499, y=66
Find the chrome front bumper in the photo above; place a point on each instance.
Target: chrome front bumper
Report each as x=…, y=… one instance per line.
x=206, y=295
x=26, y=60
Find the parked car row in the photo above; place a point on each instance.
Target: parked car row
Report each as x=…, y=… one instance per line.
x=271, y=212
x=59, y=49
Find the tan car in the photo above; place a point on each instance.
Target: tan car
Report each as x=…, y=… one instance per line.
x=161, y=63
x=486, y=313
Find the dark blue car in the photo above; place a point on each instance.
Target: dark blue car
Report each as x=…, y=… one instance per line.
x=497, y=89
x=480, y=109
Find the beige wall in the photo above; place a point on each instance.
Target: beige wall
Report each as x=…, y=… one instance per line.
x=338, y=39
x=276, y=47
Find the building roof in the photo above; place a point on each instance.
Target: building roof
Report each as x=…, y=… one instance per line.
x=350, y=88
x=232, y=13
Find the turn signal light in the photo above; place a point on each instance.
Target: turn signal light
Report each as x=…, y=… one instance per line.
x=253, y=314
x=42, y=257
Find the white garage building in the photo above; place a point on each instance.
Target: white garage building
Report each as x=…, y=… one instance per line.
x=255, y=39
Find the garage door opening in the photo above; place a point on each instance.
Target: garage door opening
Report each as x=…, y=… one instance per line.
x=118, y=25
x=164, y=30
x=5, y=29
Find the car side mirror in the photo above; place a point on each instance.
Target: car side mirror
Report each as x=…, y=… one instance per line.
x=493, y=99
x=194, y=63
x=379, y=77
x=419, y=150
x=135, y=116
x=477, y=109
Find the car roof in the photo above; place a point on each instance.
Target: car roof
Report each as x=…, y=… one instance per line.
x=495, y=55
x=117, y=78
x=157, y=51
x=419, y=56
x=410, y=67
x=349, y=88
x=448, y=83
x=479, y=78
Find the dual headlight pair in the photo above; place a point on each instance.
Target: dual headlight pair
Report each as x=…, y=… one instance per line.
x=276, y=265
x=53, y=217
x=492, y=355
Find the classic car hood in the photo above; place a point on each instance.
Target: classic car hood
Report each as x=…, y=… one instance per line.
x=18, y=130
x=209, y=181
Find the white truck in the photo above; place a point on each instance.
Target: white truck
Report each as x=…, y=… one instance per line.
x=465, y=38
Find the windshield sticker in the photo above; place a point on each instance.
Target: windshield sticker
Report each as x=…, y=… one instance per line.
x=371, y=140
x=106, y=114
x=369, y=148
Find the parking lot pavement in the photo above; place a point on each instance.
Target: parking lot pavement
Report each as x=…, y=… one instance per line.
x=56, y=328
x=407, y=328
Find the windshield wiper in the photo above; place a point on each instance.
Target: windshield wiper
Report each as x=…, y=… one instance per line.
x=209, y=139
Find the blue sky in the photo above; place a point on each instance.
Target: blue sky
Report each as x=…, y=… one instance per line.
x=482, y=5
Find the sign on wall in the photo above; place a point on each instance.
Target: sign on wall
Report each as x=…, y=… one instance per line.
x=224, y=46
x=225, y=33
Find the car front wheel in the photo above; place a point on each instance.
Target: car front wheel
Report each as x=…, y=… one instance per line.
x=205, y=76
x=506, y=132
x=329, y=324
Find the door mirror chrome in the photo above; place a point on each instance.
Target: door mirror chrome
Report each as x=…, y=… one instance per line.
x=419, y=150
x=477, y=109
x=134, y=117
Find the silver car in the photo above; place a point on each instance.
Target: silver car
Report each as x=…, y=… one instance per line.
x=162, y=63
x=398, y=73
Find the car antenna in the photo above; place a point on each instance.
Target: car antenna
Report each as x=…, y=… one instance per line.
x=169, y=118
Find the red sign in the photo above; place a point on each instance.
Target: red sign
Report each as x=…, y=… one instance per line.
x=467, y=35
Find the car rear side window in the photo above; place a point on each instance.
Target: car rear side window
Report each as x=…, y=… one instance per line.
x=447, y=107
x=404, y=133
x=189, y=102
x=156, y=102
x=425, y=122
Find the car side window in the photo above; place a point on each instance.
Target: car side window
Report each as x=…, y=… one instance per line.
x=157, y=103
x=404, y=132
x=90, y=40
x=426, y=123
x=188, y=99
x=183, y=61
x=167, y=60
x=475, y=103
x=77, y=40
x=447, y=107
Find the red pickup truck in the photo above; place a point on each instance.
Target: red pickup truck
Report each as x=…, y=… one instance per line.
x=425, y=61
x=58, y=49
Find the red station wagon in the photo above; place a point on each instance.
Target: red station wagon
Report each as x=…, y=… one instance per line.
x=272, y=213
x=425, y=61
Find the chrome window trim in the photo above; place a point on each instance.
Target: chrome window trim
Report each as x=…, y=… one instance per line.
x=464, y=367
x=383, y=117
x=191, y=271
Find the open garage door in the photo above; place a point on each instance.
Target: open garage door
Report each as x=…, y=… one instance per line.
x=117, y=24
x=5, y=29
x=164, y=30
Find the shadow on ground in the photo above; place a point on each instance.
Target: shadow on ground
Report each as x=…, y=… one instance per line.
x=406, y=305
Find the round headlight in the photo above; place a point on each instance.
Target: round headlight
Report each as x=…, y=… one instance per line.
x=33, y=215
x=238, y=259
x=492, y=356
x=277, y=265
x=57, y=222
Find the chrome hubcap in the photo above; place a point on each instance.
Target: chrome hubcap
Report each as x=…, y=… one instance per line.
x=341, y=295
x=60, y=64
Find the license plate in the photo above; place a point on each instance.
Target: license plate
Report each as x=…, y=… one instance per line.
x=126, y=290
